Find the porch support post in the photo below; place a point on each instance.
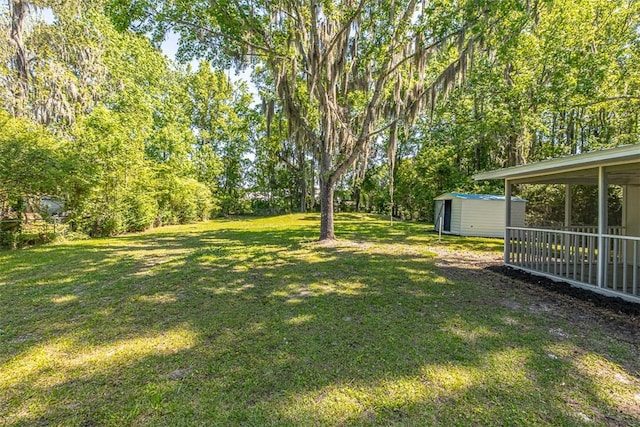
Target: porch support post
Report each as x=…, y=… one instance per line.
x=625, y=206
x=568, y=206
x=603, y=199
x=507, y=218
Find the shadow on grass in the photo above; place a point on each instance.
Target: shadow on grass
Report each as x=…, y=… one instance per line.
x=262, y=326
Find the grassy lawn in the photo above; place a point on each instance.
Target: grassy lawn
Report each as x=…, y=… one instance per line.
x=252, y=322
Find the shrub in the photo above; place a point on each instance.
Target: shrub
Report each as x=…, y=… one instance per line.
x=140, y=212
x=11, y=240
x=8, y=239
x=184, y=200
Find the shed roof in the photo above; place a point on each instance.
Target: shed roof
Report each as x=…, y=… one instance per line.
x=622, y=166
x=466, y=196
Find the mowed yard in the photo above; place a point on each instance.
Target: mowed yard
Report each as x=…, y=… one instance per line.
x=253, y=322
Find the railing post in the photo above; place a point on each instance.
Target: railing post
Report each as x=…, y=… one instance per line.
x=507, y=219
x=625, y=198
x=603, y=188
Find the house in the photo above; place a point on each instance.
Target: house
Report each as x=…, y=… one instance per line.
x=479, y=215
x=52, y=205
x=598, y=257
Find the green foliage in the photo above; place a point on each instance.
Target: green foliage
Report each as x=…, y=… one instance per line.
x=141, y=211
x=566, y=82
x=343, y=73
x=222, y=118
x=129, y=140
x=375, y=189
x=184, y=200
x=120, y=190
x=30, y=162
x=8, y=239
x=108, y=125
x=283, y=169
x=17, y=240
x=546, y=204
x=111, y=174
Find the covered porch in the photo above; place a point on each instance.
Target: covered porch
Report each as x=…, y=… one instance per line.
x=601, y=257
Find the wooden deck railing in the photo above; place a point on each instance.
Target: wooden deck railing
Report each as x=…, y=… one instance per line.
x=621, y=270
x=592, y=229
x=573, y=256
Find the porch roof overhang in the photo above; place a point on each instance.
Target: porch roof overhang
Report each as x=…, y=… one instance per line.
x=622, y=163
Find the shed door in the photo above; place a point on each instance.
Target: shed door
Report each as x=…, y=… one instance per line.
x=447, y=215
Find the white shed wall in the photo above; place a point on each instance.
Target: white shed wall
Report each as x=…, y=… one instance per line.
x=456, y=215
x=485, y=218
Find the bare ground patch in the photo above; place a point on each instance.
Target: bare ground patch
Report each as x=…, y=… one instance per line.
x=620, y=318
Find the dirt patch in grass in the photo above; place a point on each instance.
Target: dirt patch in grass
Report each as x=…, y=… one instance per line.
x=615, y=305
x=619, y=317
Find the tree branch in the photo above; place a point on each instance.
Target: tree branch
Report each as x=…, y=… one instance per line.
x=610, y=99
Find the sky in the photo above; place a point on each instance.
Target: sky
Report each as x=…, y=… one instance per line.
x=170, y=47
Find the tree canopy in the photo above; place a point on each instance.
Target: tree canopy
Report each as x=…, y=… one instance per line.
x=346, y=73
x=375, y=106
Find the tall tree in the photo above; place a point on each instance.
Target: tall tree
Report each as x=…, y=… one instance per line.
x=345, y=71
x=18, y=10
x=221, y=117
x=567, y=84
x=104, y=124
x=31, y=47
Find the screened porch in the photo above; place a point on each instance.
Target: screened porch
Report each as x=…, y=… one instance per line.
x=602, y=257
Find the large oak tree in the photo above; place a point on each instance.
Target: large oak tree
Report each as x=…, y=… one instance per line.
x=347, y=73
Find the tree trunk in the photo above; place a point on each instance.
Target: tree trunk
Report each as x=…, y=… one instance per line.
x=303, y=195
x=326, y=209
x=18, y=16
x=356, y=197
x=302, y=180
x=312, y=183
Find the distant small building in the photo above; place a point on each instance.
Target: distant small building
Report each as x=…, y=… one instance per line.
x=481, y=215
x=52, y=205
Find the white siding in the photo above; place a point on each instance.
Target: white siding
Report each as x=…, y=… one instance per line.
x=481, y=215
x=456, y=215
x=485, y=218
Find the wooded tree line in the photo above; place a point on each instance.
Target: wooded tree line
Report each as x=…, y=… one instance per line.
x=373, y=106
x=100, y=118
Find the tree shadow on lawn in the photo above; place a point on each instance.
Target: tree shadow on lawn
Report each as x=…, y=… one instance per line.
x=266, y=328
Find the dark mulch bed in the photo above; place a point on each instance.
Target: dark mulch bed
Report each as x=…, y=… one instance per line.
x=617, y=305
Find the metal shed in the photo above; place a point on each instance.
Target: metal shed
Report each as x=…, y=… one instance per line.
x=481, y=215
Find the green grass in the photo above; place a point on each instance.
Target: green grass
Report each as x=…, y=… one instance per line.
x=252, y=322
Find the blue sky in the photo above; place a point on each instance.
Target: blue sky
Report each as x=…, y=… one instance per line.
x=170, y=46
